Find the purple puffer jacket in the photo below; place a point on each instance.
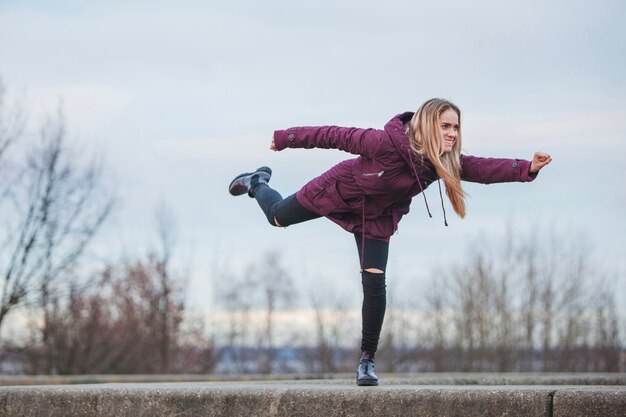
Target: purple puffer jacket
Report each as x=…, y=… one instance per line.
x=371, y=193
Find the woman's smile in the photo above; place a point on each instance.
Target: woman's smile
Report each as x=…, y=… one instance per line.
x=449, y=128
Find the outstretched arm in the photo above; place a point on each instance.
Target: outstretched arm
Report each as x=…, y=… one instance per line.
x=494, y=170
x=354, y=140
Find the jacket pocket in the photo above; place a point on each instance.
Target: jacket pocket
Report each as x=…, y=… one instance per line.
x=328, y=200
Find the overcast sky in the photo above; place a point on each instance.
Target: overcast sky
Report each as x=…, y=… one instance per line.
x=182, y=96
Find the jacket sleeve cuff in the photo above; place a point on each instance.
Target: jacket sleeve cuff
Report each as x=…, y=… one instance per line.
x=525, y=174
x=279, y=140
x=286, y=139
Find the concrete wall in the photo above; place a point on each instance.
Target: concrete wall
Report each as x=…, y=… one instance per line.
x=425, y=378
x=311, y=398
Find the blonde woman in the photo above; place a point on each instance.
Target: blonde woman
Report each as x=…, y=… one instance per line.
x=368, y=195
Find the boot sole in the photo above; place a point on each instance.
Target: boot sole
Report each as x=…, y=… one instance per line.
x=366, y=383
x=239, y=189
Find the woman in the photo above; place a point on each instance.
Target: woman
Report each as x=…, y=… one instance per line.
x=368, y=195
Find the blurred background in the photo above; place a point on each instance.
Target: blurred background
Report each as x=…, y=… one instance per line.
x=122, y=124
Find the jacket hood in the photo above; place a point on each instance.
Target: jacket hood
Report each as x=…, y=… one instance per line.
x=396, y=130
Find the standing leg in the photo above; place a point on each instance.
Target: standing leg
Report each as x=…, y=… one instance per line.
x=373, y=255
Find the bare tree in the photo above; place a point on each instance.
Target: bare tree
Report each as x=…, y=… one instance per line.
x=197, y=350
x=254, y=297
x=435, y=336
x=234, y=296
x=473, y=288
x=56, y=204
x=166, y=230
x=607, y=349
x=395, y=356
x=530, y=298
x=331, y=317
x=276, y=289
x=11, y=124
x=528, y=305
x=110, y=327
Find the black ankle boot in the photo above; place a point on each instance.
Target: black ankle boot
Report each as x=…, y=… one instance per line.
x=245, y=183
x=365, y=375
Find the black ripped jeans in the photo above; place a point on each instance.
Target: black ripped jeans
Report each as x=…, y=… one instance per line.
x=373, y=254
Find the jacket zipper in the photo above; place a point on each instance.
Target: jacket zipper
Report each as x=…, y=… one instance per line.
x=378, y=174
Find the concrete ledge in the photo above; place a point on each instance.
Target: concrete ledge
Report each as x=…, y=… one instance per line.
x=426, y=378
x=310, y=398
x=590, y=402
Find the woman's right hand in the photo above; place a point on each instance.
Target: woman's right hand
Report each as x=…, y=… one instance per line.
x=540, y=160
x=273, y=146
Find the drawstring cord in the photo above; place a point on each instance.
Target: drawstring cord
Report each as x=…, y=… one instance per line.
x=363, y=235
x=419, y=182
x=445, y=220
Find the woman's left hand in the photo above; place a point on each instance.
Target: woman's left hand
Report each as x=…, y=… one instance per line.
x=540, y=160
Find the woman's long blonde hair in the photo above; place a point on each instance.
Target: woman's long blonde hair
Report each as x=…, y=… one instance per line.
x=426, y=141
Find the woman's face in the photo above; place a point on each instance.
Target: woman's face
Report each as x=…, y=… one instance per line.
x=449, y=128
